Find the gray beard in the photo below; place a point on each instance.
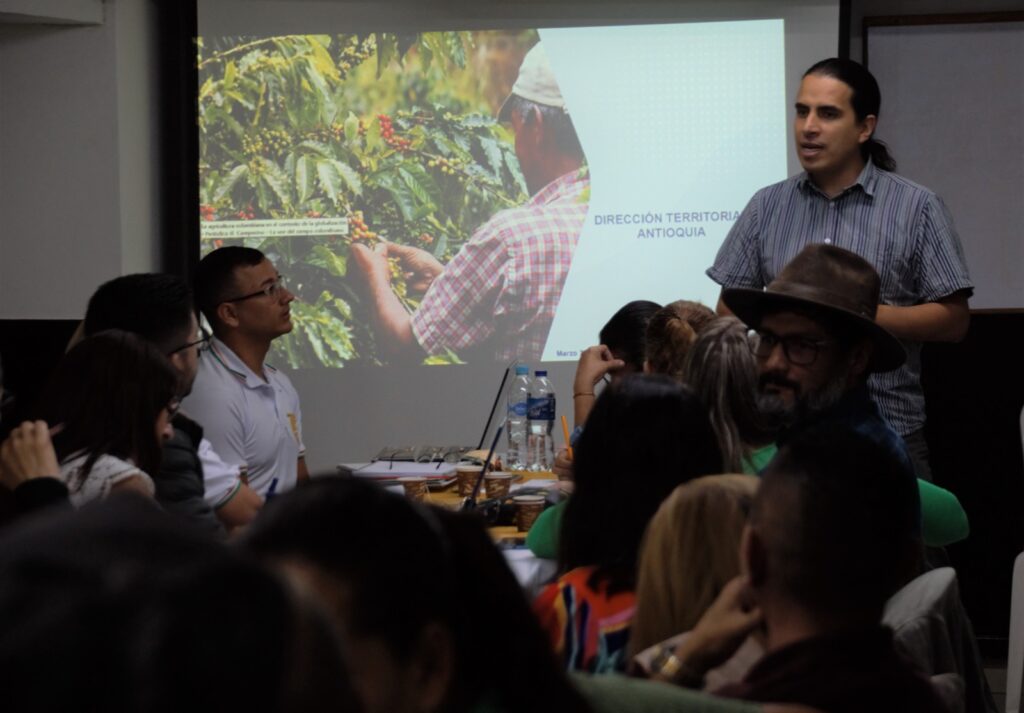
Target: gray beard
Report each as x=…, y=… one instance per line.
x=781, y=415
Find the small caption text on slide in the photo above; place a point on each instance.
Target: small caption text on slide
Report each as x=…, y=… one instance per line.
x=299, y=227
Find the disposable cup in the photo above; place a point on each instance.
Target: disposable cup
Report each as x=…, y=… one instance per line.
x=498, y=484
x=528, y=509
x=467, y=474
x=415, y=488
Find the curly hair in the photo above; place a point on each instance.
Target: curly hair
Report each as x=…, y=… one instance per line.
x=670, y=334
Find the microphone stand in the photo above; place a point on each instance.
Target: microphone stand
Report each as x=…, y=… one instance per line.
x=470, y=502
x=494, y=407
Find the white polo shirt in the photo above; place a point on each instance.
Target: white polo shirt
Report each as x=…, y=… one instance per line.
x=252, y=423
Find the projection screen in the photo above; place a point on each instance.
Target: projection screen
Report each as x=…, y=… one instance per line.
x=430, y=241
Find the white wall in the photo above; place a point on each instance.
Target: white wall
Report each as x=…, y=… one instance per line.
x=52, y=11
x=77, y=165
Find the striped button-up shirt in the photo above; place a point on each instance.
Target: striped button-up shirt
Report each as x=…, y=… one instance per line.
x=901, y=228
x=503, y=286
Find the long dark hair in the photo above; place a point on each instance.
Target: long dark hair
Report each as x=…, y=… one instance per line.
x=107, y=393
x=624, y=332
x=866, y=100
x=486, y=587
x=646, y=435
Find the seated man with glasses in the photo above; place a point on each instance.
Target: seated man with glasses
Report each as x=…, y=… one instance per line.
x=816, y=341
x=193, y=481
x=249, y=409
x=814, y=334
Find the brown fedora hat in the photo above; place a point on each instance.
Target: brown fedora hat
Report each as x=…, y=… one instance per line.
x=830, y=281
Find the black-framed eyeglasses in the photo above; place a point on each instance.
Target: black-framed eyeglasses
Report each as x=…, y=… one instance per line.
x=799, y=350
x=202, y=344
x=271, y=290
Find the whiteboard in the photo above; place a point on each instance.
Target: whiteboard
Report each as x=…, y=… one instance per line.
x=953, y=115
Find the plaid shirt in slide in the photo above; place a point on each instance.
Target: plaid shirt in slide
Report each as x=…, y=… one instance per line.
x=505, y=282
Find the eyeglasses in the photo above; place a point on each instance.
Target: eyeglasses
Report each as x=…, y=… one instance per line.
x=202, y=344
x=799, y=351
x=271, y=290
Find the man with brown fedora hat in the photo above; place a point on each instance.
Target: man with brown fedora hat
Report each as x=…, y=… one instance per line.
x=816, y=340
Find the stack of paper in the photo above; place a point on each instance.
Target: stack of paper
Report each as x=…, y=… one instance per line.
x=389, y=470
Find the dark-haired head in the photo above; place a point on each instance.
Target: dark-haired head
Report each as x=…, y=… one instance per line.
x=645, y=435
x=384, y=570
x=624, y=332
x=413, y=590
x=108, y=392
x=117, y=608
x=866, y=99
x=156, y=307
x=835, y=525
x=215, y=277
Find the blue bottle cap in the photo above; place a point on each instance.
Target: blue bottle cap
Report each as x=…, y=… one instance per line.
x=541, y=372
x=522, y=370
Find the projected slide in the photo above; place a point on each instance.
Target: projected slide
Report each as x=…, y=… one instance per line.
x=415, y=214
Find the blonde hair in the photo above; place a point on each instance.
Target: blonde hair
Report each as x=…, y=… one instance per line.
x=722, y=370
x=689, y=552
x=670, y=334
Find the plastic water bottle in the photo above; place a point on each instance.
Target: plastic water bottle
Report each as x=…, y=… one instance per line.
x=516, y=419
x=541, y=411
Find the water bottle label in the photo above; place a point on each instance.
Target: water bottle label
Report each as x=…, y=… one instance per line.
x=541, y=408
x=517, y=409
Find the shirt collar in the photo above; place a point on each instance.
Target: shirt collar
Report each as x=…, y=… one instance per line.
x=867, y=180
x=223, y=355
x=565, y=185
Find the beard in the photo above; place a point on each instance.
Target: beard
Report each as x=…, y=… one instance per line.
x=779, y=414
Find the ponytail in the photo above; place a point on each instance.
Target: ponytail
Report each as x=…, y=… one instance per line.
x=879, y=154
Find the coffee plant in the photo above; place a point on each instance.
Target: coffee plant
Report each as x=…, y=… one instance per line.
x=389, y=131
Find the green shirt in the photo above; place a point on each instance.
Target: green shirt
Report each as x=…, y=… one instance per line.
x=943, y=519
x=614, y=693
x=542, y=539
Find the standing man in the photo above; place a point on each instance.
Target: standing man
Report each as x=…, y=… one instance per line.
x=848, y=196
x=249, y=409
x=193, y=482
x=503, y=286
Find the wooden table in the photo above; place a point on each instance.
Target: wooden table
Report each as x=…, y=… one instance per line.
x=503, y=534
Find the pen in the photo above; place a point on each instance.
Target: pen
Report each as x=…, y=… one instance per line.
x=565, y=432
